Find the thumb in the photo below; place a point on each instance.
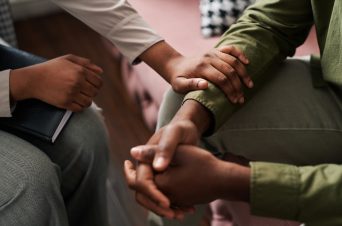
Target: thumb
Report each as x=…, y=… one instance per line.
x=144, y=153
x=184, y=85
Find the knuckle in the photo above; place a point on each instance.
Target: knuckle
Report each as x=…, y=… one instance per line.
x=192, y=84
x=234, y=62
x=68, y=56
x=88, y=102
x=222, y=79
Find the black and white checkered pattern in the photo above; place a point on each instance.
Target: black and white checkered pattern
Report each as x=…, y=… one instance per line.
x=7, y=32
x=218, y=15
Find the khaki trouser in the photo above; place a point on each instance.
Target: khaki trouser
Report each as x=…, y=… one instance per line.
x=287, y=121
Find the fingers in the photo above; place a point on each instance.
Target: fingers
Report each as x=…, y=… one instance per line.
x=183, y=84
x=88, y=89
x=131, y=177
x=145, y=185
x=83, y=100
x=144, y=153
x=84, y=62
x=171, y=138
x=234, y=52
x=93, y=78
x=238, y=66
x=141, y=180
x=150, y=205
x=145, y=201
x=232, y=86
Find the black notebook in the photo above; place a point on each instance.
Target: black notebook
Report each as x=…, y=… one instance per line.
x=31, y=117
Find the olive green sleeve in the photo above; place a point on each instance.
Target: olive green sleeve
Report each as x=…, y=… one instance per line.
x=268, y=32
x=309, y=194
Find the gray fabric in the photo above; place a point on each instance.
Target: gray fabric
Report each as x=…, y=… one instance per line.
x=7, y=32
x=288, y=121
x=56, y=184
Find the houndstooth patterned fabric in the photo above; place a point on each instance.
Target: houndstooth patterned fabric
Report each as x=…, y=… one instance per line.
x=218, y=15
x=7, y=32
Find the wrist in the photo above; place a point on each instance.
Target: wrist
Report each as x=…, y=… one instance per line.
x=233, y=182
x=195, y=112
x=20, y=84
x=161, y=57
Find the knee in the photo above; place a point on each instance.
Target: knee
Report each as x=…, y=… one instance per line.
x=85, y=138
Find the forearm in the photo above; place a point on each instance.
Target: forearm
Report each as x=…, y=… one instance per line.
x=159, y=57
x=233, y=181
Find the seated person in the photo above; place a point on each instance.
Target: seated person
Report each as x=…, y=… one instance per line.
x=294, y=120
x=64, y=183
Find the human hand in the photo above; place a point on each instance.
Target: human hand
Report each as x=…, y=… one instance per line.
x=141, y=180
x=218, y=179
x=179, y=180
x=68, y=82
x=224, y=66
x=185, y=128
x=166, y=140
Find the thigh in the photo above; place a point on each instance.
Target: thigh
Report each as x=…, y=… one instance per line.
x=81, y=152
x=30, y=185
x=83, y=137
x=287, y=121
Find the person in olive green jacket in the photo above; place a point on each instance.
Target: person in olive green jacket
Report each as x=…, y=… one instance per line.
x=293, y=117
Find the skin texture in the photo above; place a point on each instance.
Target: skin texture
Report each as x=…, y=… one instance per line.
x=187, y=126
x=71, y=82
x=68, y=82
x=182, y=183
x=225, y=67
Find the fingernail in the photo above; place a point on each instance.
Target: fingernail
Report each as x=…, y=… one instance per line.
x=201, y=83
x=158, y=163
x=250, y=84
x=241, y=100
x=135, y=150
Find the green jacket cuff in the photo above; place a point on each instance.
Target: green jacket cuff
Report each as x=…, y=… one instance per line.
x=216, y=102
x=274, y=190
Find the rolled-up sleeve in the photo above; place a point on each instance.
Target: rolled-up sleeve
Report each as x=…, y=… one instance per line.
x=5, y=108
x=117, y=21
x=309, y=194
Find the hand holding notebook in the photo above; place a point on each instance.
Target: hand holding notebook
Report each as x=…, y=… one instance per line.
x=67, y=82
